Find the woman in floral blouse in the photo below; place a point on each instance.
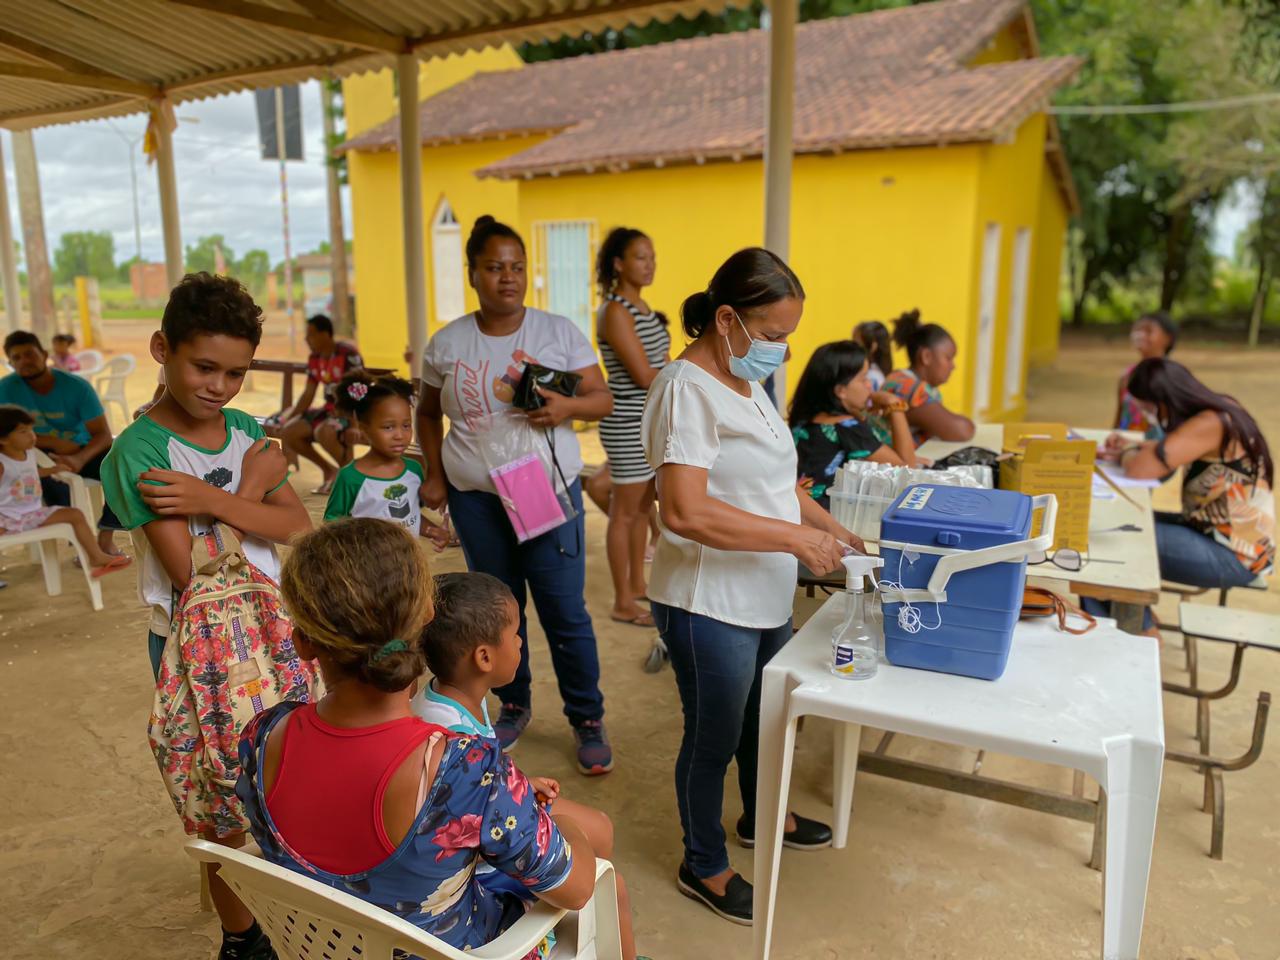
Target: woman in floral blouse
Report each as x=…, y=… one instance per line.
x=829, y=413
x=358, y=793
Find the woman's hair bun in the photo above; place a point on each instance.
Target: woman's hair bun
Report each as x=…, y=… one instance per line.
x=696, y=313
x=906, y=327
x=484, y=220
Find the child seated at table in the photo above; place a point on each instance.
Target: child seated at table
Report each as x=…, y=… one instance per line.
x=472, y=645
x=21, y=506
x=931, y=358
x=419, y=807
x=1153, y=335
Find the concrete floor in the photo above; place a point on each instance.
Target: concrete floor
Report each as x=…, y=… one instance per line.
x=91, y=865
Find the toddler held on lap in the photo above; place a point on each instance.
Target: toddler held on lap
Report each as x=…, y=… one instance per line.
x=421, y=807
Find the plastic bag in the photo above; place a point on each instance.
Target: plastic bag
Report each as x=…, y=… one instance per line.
x=522, y=463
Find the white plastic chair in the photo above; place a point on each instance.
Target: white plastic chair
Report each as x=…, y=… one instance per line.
x=111, y=383
x=308, y=920
x=44, y=542
x=86, y=493
x=91, y=361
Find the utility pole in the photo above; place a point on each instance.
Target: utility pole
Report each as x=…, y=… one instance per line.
x=39, y=277
x=8, y=264
x=132, y=144
x=342, y=320
x=282, y=141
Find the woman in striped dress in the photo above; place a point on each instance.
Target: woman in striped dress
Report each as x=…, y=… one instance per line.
x=635, y=345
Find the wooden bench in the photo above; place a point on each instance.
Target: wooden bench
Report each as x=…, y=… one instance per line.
x=1244, y=629
x=1186, y=592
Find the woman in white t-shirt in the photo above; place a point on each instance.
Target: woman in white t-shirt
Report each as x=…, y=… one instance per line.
x=734, y=525
x=470, y=370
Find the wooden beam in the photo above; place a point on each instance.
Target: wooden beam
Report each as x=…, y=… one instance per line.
x=89, y=81
x=69, y=113
x=264, y=70
x=346, y=32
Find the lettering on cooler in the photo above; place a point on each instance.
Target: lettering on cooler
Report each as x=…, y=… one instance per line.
x=917, y=498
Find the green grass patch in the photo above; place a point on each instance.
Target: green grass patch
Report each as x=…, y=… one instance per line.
x=133, y=313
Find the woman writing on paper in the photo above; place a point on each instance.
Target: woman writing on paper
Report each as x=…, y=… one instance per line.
x=1225, y=534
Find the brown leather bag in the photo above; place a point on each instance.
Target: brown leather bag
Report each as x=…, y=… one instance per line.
x=1039, y=602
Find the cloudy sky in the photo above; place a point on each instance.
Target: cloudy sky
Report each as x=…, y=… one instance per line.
x=223, y=185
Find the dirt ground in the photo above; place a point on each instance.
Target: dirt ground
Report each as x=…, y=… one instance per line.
x=90, y=852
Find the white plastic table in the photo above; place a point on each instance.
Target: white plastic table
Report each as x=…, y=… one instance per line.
x=1090, y=703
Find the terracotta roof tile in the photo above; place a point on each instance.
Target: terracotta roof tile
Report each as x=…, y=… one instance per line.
x=889, y=78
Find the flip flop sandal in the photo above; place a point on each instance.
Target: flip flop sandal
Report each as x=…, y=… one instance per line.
x=113, y=565
x=637, y=621
x=324, y=489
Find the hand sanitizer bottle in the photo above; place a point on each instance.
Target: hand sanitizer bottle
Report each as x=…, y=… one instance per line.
x=854, y=653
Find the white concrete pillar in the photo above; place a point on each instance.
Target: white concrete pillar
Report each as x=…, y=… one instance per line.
x=8, y=262
x=415, y=280
x=342, y=321
x=780, y=117
x=167, y=175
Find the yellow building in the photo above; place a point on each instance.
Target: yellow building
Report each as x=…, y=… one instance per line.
x=926, y=175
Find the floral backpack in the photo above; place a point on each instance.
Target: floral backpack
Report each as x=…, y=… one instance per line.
x=229, y=656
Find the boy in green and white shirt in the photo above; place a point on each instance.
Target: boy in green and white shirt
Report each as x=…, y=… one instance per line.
x=189, y=460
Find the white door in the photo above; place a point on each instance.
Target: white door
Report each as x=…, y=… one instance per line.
x=1017, y=339
x=984, y=359
x=447, y=267
x=566, y=256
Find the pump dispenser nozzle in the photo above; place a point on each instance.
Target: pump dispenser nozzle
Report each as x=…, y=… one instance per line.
x=858, y=566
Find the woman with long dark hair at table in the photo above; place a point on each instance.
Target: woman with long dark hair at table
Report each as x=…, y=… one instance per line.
x=1225, y=533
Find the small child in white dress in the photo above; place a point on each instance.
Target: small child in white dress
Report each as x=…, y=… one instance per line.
x=22, y=507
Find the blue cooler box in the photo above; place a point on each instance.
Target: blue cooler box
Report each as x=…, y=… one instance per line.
x=981, y=540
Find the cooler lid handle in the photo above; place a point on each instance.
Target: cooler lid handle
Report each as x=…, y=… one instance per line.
x=961, y=560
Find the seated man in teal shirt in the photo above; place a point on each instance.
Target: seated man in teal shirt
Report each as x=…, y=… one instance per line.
x=70, y=424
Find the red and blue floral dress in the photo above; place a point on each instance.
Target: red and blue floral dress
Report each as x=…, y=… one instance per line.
x=479, y=808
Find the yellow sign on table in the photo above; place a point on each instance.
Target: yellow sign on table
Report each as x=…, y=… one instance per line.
x=1043, y=460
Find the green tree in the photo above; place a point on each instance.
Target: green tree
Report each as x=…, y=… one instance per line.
x=1219, y=148
x=202, y=255
x=84, y=253
x=252, y=269
x=123, y=271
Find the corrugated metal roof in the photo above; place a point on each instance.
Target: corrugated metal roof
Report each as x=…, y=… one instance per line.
x=68, y=60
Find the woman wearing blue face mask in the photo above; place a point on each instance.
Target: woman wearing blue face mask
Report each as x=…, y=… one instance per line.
x=733, y=526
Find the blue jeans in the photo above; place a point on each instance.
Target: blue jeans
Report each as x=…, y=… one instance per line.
x=717, y=667
x=1186, y=556
x=58, y=494
x=553, y=569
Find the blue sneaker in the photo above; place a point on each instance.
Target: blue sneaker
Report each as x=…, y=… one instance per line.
x=595, y=756
x=511, y=723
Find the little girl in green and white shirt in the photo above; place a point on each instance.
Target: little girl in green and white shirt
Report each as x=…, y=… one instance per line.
x=383, y=483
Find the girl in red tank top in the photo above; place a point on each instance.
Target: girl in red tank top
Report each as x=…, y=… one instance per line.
x=356, y=792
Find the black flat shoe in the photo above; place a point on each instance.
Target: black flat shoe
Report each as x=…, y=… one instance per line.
x=734, y=906
x=808, y=834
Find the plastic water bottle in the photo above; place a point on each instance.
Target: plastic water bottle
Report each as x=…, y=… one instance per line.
x=854, y=654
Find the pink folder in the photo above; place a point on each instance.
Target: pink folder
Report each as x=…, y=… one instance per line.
x=528, y=497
